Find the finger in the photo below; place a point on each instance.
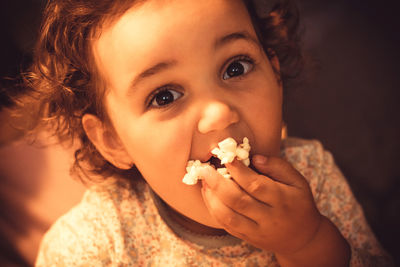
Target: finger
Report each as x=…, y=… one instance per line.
x=258, y=186
x=233, y=196
x=278, y=169
x=230, y=220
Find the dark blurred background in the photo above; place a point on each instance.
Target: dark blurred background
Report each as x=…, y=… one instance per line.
x=349, y=102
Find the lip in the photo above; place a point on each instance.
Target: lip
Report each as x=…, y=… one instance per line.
x=214, y=145
x=209, y=155
x=207, y=158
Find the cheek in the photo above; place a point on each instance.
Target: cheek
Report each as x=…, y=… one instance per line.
x=265, y=118
x=159, y=149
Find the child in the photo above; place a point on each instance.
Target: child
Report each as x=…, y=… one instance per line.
x=147, y=86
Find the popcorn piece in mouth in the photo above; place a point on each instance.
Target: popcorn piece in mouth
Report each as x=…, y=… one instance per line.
x=226, y=151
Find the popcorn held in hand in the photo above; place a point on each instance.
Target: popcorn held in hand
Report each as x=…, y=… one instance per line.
x=224, y=172
x=226, y=151
x=193, y=168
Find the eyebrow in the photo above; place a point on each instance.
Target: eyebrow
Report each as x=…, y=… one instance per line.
x=157, y=68
x=243, y=35
x=162, y=66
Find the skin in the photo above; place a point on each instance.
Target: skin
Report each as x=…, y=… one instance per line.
x=271, y=206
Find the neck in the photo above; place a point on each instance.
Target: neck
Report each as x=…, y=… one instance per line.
x=190, y=224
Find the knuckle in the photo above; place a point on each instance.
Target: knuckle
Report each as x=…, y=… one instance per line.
x=257, y=186
x=240, y=202
x=231, y=221
x=220, y=215
x=226, y=218
x=280, y=162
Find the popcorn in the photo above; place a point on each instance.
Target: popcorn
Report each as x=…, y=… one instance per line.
x=224, y=172
x=193, y=168
x=226, y=151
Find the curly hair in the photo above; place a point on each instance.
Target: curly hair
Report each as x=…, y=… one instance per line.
x=66, y=85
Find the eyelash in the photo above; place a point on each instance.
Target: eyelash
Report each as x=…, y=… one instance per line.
x=239, y=58
x=169, y=88
x=165, y=88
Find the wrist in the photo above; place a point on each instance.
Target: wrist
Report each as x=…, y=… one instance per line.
x=327, y=248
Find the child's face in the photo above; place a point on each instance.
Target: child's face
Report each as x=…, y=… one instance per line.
x=181, y=76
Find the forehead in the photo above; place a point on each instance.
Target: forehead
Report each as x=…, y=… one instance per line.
x=166, y=28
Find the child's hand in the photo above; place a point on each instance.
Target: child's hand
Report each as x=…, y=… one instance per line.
x=274, y=211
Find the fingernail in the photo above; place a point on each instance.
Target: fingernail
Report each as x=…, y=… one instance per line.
x=209, y=179
x=205, y=189
x=259, y=159
x=207, y=193
x=204, y=184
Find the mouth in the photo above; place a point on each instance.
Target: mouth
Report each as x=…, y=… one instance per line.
x=216, y=162
x=227, y=151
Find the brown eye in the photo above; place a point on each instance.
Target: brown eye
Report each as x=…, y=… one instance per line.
x=165, y=97
x=237, y=68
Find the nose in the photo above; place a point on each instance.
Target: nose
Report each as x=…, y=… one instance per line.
x=216, y=116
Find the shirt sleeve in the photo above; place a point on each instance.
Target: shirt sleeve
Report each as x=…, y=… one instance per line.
x=64, y=246
x=88, y=235
x=336, y=201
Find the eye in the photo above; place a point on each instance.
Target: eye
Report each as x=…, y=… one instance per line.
x=237, y=68
x=164, y=97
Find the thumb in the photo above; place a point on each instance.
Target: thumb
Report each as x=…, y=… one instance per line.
x=277, y=169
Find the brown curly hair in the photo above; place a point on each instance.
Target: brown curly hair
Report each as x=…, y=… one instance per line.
x=65, y=84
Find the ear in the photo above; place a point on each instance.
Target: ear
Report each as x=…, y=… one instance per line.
x=284, y=133
x=106, y=142
x=275, y=61
x=273, y=58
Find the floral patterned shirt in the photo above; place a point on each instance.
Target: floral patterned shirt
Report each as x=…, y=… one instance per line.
x=119, y=225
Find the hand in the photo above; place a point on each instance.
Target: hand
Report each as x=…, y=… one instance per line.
x=273, y=211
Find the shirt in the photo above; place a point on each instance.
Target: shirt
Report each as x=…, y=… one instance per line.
x=117, y=224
